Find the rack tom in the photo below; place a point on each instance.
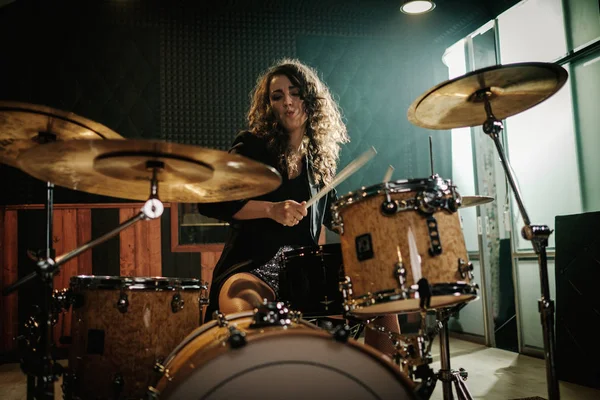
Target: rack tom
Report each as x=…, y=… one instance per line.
x=374, y=223
x=122, y=326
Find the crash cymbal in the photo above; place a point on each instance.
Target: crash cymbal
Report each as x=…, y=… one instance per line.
x=23, y=126
x=472, y=201
x=124, y=169
x=510, y=88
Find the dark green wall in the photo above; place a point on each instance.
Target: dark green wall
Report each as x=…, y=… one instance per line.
x=181, y=71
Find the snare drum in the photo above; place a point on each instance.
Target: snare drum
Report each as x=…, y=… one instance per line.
x=121, y=326
x=376, y=224
x=309, y=280
x=235, y=357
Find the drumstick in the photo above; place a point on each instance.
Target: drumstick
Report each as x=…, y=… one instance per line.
x=388, y=174
x=415, y=258
x=345, y=173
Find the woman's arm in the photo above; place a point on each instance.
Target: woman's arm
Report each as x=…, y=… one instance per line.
x=288, y=212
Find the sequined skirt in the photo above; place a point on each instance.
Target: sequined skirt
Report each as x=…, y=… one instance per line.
x=269, y=272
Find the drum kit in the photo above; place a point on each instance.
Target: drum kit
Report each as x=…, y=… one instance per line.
x=401, y=251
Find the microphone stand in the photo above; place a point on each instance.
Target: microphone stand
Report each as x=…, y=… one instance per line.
x=538, y=235
x=41, y=369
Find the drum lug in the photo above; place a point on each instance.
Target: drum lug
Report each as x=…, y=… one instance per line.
x=400, y=273
x=435, y=248
x=220, y=318
x=203, y=300
x=337, y=223
x=159, y=368
x=152, y=393
x=177, y=303
x=465, y=269
x=123, y=302
x=347, y=294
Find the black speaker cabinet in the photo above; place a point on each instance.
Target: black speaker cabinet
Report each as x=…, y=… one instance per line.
x=578, y=298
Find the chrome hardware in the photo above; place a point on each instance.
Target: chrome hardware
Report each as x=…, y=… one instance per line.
x=435, y=247
x=123, y=303
x=389, y=207
x=465, y=269
x=326, y=302
x=346, y=289
x=177, y=303
x=220, y=318
x=412, y=350
x=272, y=314
x=400, y=273
x=159, y=368
x=61, y=302
x=433, y=194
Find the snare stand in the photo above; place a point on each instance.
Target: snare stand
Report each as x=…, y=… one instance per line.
x=538, y=235
x=446, y=374
x=39, y=365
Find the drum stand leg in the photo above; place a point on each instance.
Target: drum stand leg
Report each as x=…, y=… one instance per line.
x=447, y=375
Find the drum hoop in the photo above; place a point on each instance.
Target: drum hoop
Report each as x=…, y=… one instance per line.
x=330, y=249
x=401, y=186
x=107, y=282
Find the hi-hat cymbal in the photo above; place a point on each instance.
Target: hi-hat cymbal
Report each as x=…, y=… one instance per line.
x=124, y=169
x=510, y=88
x=23, y=126
x=473, y=201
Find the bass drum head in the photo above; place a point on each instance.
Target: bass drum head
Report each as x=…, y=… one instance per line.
x=286, y=363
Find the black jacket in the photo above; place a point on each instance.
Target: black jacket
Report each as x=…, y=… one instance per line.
x=245, y=248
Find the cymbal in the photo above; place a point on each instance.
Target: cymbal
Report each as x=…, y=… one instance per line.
x=510, y=88
x=23, y=126
x=124, y=169
x=473, y=201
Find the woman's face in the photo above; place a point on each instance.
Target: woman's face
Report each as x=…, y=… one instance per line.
x=287, y=105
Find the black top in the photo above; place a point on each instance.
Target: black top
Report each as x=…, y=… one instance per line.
x=252, y=243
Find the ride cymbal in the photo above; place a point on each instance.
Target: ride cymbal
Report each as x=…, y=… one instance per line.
x=510, y=88
x=23, y=126
x=473, y=201
x=124, y=169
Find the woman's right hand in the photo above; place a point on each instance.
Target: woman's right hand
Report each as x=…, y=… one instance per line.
x=288, y=212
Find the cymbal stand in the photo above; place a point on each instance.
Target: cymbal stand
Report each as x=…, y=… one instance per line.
x=538, y=235
x=45, y=370
x=446, y=374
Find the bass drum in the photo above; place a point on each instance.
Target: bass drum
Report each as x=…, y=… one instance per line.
x=232, y=358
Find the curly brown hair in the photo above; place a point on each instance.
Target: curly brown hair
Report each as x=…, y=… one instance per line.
x=325, y=129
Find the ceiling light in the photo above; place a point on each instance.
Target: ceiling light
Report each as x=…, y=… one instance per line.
x=417, y=6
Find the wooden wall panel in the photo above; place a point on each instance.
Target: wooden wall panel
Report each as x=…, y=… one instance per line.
x=8, y=255
x=140, y=246
x=72, y=228
x=208, y=260
x=84, y=235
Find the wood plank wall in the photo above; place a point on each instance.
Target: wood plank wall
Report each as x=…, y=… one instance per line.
x=8, y=263
x=140, y=255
